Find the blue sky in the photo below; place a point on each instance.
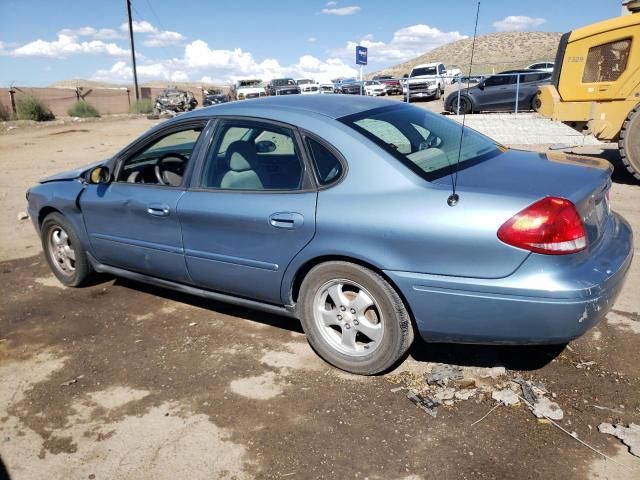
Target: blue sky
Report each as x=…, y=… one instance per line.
x=45, y=41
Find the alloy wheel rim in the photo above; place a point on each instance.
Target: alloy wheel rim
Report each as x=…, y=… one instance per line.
x=61, y=251
x=348, y=317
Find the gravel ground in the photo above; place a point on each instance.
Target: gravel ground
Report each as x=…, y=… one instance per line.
x=120, y=380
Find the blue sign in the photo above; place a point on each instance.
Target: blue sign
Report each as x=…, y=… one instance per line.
x=361, y=55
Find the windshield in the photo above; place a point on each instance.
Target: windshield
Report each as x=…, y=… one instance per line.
x=249, y=83
x=281, y=82
x=416, y=72
x=425, y=142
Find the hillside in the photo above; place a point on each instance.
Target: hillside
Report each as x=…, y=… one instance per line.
x=494, y=52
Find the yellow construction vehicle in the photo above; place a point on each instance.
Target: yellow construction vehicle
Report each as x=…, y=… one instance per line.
x=595, y=86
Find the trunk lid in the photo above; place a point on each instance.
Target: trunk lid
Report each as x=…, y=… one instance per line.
x=525, y=177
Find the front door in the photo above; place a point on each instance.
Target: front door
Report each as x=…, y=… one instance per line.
x=132, y=222
x=251, y=211
x=498, y=94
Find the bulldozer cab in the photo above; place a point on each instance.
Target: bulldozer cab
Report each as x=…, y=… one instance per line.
x=601, y=61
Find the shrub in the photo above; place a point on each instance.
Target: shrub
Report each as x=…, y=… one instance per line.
x=32, y=108
x=83, y=110
x=5, y=113
x=144, y=105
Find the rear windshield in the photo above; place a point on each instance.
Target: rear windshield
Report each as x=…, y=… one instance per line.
x=425, y=142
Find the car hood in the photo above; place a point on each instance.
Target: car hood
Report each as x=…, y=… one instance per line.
x=421, y=78
x=71, y=174
x=247, y=90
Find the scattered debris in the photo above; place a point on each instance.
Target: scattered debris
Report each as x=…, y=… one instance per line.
x=193, y=324
x=619, y=412
x=585, y=364
x=22, y=216
x=506, y=397
x=527, y=390
x=485, y=415
x=545, y=408
x=482, y=372
x=441, y=373
x=445, y=394
x=465, y=394
x=426, y=404
x=630, y=435
x=397, y=389
x=72, y=381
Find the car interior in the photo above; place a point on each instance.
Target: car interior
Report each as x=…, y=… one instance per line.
x=253, y=158
x=162, y=163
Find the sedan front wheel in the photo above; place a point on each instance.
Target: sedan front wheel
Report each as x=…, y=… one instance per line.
x=353, y=318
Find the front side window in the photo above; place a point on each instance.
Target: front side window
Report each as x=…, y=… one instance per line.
x=605, y=63
x=163, y=162
x=252, y=156
x=426, y=143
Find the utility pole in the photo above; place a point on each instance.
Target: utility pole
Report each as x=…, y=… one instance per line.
x=133, y=51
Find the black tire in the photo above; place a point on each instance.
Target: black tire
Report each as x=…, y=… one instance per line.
x=629, y=142
x=535, y=103
x=465, y=105
x=393, y=318
x=82, y=270
x=438, y=93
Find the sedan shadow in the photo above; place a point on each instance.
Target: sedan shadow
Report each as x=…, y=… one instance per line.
x=509, y=356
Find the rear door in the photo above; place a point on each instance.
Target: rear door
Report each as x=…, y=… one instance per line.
x=132, y=222
x=250, y=209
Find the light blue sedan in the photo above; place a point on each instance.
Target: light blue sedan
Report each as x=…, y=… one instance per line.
x=334, y=210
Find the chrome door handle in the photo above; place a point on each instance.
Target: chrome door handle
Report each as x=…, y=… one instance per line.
x=158, y=210
x=288, y=220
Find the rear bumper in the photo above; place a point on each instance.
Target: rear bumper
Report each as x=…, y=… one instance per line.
x=548, y=300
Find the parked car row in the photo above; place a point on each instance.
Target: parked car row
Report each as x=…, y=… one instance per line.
x=474, y=93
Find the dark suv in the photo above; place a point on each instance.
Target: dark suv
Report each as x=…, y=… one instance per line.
x=282, y=86
x=498, y=93
x=392, y=84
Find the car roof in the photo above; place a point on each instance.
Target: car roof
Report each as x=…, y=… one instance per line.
x=333, y=106
x=422, y=65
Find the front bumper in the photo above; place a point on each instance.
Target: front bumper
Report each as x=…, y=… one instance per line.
x=548, y=300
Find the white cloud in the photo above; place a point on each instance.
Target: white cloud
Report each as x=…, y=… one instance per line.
x=99, y=34
x=341, y=11
x=517, y=23
x=225, y=66
x=66, y=45
x=139, y=27
x=3, y=50
x=162, y=39
x=329, y=4
x=312, y=39
x=408, y=42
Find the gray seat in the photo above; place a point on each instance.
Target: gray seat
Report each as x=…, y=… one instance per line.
x=241, y=161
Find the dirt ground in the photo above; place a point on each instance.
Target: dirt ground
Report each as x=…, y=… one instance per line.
x=120, y=380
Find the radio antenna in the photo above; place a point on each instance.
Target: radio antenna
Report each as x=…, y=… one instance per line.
x=453, y=199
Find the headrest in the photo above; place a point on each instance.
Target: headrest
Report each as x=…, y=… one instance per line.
x=241, y=156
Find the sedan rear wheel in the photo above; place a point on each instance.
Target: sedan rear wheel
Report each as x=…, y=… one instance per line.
x=353, y=318
x=64, y=252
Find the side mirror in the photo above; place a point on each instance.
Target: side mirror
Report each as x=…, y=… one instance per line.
x=265, y=146
x=99, y=175
x=406, y=75
x=481, y=85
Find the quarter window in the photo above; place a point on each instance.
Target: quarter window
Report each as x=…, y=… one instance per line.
x=605, y=63
x=252, y=156
x=163, y=162
x=328, y=167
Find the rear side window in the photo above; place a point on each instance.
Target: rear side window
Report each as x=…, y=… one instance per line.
x=327, y=165
x=605, y=63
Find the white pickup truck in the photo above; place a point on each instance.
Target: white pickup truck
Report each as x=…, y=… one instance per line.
x=426, y=80
x=251, y=88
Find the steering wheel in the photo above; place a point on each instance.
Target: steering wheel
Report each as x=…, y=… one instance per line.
x=161, y=169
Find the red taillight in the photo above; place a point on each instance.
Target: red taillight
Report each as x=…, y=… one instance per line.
x=551, y=226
